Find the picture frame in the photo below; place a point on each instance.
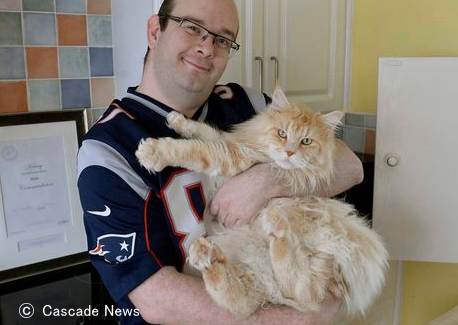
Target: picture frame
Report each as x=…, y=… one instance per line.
x=41, y=225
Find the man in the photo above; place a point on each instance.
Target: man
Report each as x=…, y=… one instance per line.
x=139, y=225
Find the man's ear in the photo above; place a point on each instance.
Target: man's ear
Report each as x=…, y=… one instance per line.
x=153, y=30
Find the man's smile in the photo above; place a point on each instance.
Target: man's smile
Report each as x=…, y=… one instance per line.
x=197, y=65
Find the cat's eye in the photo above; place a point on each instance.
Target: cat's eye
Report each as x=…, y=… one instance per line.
x=282, y=133
x=307, y=141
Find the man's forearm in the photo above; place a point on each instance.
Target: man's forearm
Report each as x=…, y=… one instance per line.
x=169, y=297
x=348, y=172
x=279, y=315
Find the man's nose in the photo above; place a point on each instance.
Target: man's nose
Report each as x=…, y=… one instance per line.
x=207, y=46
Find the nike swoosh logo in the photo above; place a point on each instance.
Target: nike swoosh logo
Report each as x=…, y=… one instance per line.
x=104, y=213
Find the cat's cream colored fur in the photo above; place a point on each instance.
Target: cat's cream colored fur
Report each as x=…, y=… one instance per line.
x=228, y=153
x=298, y=250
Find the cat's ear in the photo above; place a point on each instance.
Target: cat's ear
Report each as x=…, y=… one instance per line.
x=279, y=99
x=333, y=119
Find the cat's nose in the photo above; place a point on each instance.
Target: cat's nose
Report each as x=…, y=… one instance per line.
x=289, y=153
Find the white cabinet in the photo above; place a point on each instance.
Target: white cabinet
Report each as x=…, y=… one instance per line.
x=415, y=193
x=303, y=43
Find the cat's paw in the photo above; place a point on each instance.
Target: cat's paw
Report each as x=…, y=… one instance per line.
x=274, y=224
x=177, y=122
x=203, y=254
x=151, y=155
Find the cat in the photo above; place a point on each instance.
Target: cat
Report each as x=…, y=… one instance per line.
x=280, y=135
x=299, y=249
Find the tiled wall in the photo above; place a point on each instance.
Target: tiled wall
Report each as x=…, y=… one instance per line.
x=55, y=54
x=359, y=132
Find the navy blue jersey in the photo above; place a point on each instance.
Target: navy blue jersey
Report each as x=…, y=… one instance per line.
x=137, y=222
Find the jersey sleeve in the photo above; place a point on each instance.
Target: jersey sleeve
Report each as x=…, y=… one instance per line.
x=113, y=200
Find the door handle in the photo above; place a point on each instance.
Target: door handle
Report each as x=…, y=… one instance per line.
x=275, y=59
x=261, y=71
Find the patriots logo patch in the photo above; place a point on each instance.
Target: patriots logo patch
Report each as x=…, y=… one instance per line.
x=115, y=248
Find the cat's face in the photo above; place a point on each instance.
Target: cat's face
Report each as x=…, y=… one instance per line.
x=297, y=137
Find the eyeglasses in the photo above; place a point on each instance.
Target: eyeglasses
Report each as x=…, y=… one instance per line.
x=221, y=43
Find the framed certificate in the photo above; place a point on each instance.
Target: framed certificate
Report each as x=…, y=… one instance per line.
x=40, y=212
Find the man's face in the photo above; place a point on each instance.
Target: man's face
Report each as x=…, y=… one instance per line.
x=194, y=65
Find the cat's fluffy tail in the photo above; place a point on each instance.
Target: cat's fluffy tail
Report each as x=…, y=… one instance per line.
x=362, y=263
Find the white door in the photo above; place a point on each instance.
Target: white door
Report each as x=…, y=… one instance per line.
x=415, y=195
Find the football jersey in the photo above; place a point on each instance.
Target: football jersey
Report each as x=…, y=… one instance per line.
x=137, y=221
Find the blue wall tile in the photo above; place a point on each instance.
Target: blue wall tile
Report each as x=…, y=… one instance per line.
x=38, y=5
x=10, y=28
x=12, y=63
x=370, y=121
x=74, y=6
x=75, y=93
x=101, y=61
x=14, y=5
x=40, y=29
x=73, y=62
x=44, y=95
x=99, y=28
x=354, y=119
x=354, y=138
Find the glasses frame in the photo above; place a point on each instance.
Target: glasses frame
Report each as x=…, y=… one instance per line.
x=234, y=45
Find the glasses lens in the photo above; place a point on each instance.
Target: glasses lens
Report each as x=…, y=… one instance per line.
x=192, y=29
x=223, y=42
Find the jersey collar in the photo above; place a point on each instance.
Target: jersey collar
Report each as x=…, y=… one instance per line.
x=160, y=108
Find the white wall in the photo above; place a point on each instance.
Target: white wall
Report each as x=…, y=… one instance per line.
x=129, y=41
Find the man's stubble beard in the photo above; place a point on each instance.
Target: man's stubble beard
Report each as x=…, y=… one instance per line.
x=174, y=80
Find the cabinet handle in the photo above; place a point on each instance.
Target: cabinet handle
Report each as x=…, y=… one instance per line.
x=275, y=59
x=261, y=73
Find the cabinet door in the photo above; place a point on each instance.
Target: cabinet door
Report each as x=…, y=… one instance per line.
x=415, y=196
x=308, y=39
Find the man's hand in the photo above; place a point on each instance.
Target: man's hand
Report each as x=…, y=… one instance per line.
x=241, y=198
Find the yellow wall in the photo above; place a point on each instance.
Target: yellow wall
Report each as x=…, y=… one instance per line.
x=429, y=290
x=406, y=28
x=397, y=28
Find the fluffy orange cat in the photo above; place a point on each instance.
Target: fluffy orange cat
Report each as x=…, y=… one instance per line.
x=298, y=250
